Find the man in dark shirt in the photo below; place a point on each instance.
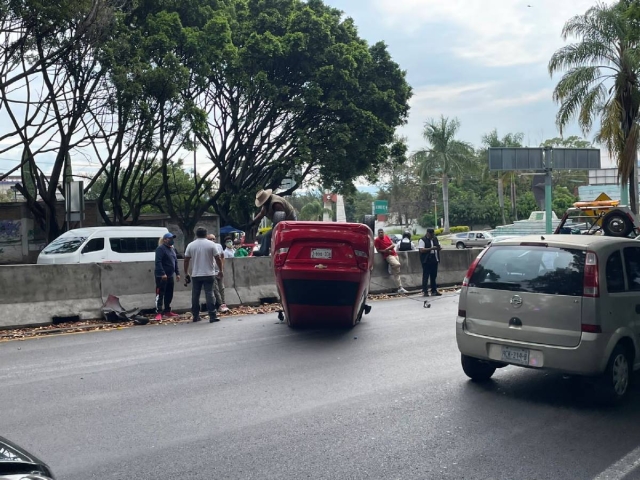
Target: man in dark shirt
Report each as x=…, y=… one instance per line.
x=166, y=268
x=429, y=248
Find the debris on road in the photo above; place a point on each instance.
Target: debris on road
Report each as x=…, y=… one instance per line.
x=100, y=325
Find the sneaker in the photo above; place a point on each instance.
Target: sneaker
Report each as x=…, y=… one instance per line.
x=224, y=308
x=158, y=317
x=196, y=319
x=402, y=290
x=171, y=315
x=436, y=294
x=213, y=317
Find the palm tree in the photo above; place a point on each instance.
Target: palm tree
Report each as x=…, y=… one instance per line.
x=445, y=156
x=601, y=79
x=314, y=211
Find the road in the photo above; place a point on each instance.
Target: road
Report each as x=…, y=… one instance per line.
x=248, y=398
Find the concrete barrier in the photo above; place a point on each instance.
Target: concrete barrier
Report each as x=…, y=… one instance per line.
x=134, y=284
x=453, y=267
x=254, y=279
x=35, y=294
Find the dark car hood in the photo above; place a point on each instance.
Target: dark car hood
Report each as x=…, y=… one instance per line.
x=16, y=460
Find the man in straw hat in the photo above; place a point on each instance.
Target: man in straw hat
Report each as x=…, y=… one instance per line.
x=269, y=204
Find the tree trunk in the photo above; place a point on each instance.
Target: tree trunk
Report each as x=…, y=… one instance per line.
x=445, y=203
x=633, y=184
x=501, y=199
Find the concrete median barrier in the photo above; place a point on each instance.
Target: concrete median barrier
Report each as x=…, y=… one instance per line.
x=254, y=279
x=134, y=283
x=38, y=294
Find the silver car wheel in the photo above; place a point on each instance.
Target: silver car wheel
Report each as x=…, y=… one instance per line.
x=620, y=375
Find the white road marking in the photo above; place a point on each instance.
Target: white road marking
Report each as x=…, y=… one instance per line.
x=622, y=467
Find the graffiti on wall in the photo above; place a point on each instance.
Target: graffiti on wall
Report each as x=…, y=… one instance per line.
x=10, y=241
x=10, y=230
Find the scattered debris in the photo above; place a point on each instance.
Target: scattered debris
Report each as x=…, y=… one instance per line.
x=100, y=325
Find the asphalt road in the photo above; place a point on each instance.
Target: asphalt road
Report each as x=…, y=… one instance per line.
x=248, y=398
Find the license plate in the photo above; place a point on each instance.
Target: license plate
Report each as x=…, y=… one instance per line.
x=515, y=355
x=323, y=253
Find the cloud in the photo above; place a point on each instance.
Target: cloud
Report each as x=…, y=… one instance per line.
x=493, y=33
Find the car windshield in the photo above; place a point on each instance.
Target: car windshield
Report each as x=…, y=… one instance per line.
x=64, y=244
x=533, y=269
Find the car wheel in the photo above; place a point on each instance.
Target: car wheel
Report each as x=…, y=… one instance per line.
x=460, y=246
x=370, y=221
x=617, y=377
x=617, y=224
x=477, y=370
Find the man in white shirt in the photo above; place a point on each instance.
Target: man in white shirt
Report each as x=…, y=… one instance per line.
x=204, y=259
x=218, y=285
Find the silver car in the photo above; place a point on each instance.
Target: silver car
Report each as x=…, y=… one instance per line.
x=570, y=303
x=472, y=239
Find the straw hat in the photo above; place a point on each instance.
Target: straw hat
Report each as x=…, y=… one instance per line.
x=262, y=197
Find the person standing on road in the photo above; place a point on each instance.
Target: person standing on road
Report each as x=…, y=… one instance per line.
x=387, y=248
x=429, y=248
x=204, y=259
x=218, y=285
x=165, y=268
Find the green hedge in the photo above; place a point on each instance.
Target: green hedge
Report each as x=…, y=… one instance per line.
x=440, y=231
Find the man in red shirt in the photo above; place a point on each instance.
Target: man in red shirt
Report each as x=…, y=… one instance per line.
x=387, y=248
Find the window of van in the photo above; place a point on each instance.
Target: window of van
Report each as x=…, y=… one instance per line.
x=64, y=244
x=133, y=245
x=94, y=245
x=532, y=269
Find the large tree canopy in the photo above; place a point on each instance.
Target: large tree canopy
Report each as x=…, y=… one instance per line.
x=295, y=90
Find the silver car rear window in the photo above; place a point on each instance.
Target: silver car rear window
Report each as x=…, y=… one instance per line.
x=533, y=269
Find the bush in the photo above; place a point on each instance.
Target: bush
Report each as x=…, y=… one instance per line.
x=461, y=229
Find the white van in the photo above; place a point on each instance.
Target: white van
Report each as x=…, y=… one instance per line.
x=103, y=244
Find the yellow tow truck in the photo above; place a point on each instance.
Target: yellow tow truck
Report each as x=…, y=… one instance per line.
x=602, y=216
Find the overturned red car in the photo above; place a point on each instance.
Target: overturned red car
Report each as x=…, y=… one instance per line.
x=322, y=271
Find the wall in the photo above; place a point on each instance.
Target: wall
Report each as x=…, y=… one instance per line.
x=34, y=294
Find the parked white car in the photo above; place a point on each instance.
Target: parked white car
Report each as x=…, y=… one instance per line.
x=103, y=244
x=472, y=239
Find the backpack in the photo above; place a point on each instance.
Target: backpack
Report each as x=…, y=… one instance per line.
x=405, y=245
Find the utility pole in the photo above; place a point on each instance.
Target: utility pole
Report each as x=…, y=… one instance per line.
x=548, y=159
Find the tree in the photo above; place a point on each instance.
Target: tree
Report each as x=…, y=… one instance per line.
x=446, y=156
x=569, y=178
x=295, y=89
x=358, y=204
x=509, y=140
x=314, y=211
x=601, y=80
x=49, y=75
x=401, y=185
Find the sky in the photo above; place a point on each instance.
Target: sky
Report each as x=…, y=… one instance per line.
x=482, y=61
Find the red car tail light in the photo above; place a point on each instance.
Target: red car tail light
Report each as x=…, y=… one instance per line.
x=280, y=257
x=591, y=285
x=472, y=268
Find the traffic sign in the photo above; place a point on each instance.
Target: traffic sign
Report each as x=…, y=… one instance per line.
x=501, y=159
x=380, y=207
